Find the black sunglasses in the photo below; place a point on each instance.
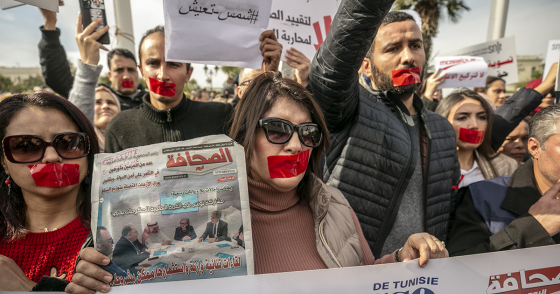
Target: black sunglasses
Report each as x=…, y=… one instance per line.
x=279, y=131
x=29, y=148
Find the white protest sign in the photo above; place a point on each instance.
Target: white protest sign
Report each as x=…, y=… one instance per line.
x=46, y=4
x=301, y=24
x=462, y=71
x=523, y=271
x=552, y=53
x=218, y=32
x=7, y=4
x=499, y=54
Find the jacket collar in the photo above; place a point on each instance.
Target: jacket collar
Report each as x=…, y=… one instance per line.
x=165, y=116
x=319, y=199
x=394, y=104
x=522, y=192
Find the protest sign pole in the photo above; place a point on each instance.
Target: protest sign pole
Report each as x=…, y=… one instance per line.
x=123, y=19
x=557, y=88
x=498, y=18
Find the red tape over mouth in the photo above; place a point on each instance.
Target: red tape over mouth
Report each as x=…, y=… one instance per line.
x=287, y=166
x=471, y=136
x=127, y=84
x=162, y=88
x=406, y=76
x=55, y=175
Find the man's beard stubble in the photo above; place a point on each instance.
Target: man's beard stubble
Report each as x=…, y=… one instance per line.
x=384, y=82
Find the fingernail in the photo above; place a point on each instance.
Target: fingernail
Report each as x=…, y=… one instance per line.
x=105, y=288
x=107, y=278
x=91, y=292
x=105, y=261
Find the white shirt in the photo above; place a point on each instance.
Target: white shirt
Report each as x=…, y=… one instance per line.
x=155, y=240
x=471, y=176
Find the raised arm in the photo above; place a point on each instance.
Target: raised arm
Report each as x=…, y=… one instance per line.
x=508, y=116
x=54, y=64
x=333, y=76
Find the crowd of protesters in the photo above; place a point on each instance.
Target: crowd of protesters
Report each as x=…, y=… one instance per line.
x=399, y=171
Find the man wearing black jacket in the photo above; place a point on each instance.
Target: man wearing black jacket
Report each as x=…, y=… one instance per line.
x=56, y=71
x=395, y=161
x=129, y=252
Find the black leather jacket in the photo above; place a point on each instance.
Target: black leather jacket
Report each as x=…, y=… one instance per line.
x=372, y=150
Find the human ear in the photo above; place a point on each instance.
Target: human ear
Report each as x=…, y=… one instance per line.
x=366, y=67
x=140, y=70
x=534, y=147
x=189, y=73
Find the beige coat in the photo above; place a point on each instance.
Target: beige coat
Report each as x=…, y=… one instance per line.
x=337, y=240
x=500, y=165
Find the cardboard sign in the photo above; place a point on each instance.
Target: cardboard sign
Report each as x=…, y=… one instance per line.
x=500, y=55
x=301, y=24
x=46, y=4
x=552, y=53
x=462, y=71
x=522, y=271
x=217, y=32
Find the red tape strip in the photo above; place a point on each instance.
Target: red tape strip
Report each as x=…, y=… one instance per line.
x=287, y=166
x=471, y=136
x=127, y=84
x=162, y=88
x=55, y=174
x=406, y=76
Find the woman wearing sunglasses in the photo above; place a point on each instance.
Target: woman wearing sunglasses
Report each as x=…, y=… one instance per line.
x=46, y=158
x=298, y=222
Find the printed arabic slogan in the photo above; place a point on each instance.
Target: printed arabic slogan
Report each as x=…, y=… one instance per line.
x=169, y=211
x=522, y=271
x=302, y=24
x=462, y=71
x=219, y=32
x=500, y=55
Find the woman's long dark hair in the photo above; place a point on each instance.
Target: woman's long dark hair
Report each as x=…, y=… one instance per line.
x=444, y=108
x=259, y=98
x=12, y=205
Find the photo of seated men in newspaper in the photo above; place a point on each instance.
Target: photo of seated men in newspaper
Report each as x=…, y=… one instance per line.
x=173, y=211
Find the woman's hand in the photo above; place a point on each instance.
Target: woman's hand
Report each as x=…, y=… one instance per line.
x=301, y=65
x=186, y=238
x=423, y=246
x=87, y=41
x=89, y=276
x=432, y=83
x=12, y=278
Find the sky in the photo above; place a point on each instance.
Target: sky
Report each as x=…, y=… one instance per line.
x=530, y=21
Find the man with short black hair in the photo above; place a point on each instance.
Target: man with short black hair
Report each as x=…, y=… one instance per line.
x=517, y=211
x=216, y=229
x=394, y=160
x=166, y=115
x=129, y=252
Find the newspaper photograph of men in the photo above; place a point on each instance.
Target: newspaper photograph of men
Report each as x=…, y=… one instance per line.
x=173, y=211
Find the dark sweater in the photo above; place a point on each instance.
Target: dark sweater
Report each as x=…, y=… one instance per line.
x=146, y=125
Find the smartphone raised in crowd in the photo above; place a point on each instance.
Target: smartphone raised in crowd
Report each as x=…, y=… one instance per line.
x=92, y=10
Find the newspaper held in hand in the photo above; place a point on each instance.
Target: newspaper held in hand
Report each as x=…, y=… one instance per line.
x=171, y=210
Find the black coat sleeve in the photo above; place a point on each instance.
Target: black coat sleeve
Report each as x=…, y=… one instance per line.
x=333, y=76
x=223, y=232
x=192, y=233
x=470, y=234
x=54, y=64
x=178, y=236
x=508, y=116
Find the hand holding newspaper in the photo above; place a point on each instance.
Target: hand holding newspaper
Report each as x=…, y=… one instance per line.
x=171, y=210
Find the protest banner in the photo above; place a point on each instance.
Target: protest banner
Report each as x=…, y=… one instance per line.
x=500, y=55
x=46, y=4
x=301, y=24
x=552, y=53
x=522, y=271
x=176, y=187
x=218, y=32
x=462, y=71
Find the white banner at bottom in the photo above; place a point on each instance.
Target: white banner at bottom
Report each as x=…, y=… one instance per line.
x=524, y=271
